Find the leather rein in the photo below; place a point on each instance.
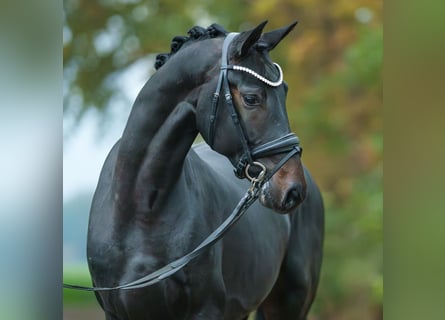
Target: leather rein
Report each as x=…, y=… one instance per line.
x=288, y=144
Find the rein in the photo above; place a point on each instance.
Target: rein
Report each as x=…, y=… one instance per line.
x=288, y=144
x=246, y=201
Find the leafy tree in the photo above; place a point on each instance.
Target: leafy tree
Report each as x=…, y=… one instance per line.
x=103, y=38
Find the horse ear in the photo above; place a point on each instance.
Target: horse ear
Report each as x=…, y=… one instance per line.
x=269, y=40
x=245, y=40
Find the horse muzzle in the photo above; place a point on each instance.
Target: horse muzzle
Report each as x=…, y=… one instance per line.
x=286, y=189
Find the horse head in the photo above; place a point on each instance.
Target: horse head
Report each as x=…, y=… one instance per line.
x=259, y=100
x=240, y=104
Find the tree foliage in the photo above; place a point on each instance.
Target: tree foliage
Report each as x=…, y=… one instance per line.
x=332, y=63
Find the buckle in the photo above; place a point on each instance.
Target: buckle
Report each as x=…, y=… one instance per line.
x=240, y=168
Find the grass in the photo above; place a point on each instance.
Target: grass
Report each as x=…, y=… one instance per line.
x=78, y=275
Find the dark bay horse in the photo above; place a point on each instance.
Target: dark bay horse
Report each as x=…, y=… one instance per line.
x=158, y=197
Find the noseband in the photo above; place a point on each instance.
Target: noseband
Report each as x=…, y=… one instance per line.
x=288, y=143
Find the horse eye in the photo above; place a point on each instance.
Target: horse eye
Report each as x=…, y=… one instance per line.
x=251, y=100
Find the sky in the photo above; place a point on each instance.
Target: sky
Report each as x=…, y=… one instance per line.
x=87, y=144
x=85, y=147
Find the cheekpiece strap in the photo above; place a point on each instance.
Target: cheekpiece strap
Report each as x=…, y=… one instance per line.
x=223, y=84
x=221, y=79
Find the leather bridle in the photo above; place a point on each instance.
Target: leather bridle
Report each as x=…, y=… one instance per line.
x=288, y=143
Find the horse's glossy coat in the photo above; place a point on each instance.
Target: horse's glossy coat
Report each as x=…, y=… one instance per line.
x=157, y=198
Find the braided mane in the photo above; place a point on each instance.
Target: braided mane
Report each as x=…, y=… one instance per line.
x=195, y=34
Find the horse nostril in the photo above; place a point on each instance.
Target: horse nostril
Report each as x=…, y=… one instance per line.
x=295, y=195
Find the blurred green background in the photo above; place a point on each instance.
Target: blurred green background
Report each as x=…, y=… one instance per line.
x=332, y=62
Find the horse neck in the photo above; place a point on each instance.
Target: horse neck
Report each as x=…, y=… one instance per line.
x=162, y=164
x=156, y=139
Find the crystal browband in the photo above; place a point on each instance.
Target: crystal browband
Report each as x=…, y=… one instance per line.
x=259, y=77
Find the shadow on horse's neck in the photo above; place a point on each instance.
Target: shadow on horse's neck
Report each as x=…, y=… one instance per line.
x=163, y=162
x=159, y=131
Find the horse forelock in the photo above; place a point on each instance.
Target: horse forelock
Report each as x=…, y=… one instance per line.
x=196, y=33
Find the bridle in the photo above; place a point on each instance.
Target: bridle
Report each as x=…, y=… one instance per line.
x=288, y=143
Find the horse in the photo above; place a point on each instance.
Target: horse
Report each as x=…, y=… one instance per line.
x=159, y=194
